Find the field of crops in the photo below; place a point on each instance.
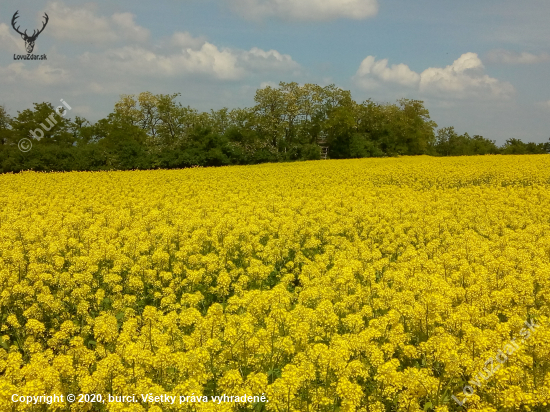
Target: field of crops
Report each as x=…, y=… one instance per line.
x=357, y=285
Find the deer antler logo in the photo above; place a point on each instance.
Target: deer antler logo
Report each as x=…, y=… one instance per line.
x=29, y=40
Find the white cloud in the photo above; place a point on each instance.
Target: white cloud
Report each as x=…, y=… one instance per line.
x=82, y=24
x=314, y=10
x=186, y=40
x=397, y=73
x=221, y=64
x=127, y=28
x=260, y=60
x=43, y=74
x=509, y=57
x=207, y=73
x=206, y=60
x=177, y=56
x=462, y=79
x=141, y=61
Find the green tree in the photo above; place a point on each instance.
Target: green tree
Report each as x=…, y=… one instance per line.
x=5, y=128
x=445, y=141
x=450, y=143
x=43, y=125
x=416, y=129
x=516, y=146
x=339, y=128
x=121, y=144
x=83, y=131
x=269, y=115
x=483, y=146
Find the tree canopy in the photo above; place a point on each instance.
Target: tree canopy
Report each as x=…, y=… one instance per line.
x=289, y=122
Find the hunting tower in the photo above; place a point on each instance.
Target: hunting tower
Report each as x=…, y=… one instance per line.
x=323, y=145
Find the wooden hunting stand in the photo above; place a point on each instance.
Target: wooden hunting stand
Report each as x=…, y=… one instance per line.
x=323, y=145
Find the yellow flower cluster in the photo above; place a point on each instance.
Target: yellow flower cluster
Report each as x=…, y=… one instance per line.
x=369, y=285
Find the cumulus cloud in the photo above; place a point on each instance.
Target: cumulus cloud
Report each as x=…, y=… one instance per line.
x=192, y=64
x=186, y=40
x=43, y=74
x=260, y=60
x=140, y=61
x=397, y=73
x=501, y=56
x=313, y=10
x=82, y=24
x=176, y=56
x=179, y=55
x=462, y=79
x=206, y=60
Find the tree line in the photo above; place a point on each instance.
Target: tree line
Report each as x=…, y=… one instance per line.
x=287, y=123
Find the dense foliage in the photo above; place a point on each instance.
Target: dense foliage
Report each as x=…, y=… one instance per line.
x=372, y=285
x=287, y=123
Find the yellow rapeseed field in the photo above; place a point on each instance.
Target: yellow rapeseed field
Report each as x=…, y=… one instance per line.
x=355, y=285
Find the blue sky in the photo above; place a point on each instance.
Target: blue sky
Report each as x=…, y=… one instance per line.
x=482, y=67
